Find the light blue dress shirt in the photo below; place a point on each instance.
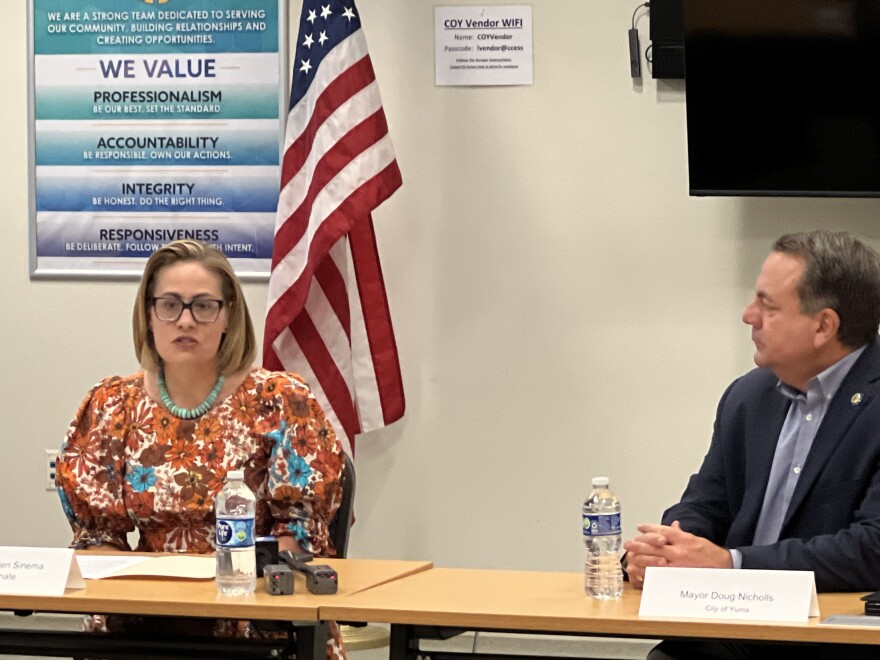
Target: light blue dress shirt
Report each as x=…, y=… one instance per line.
x=804, y=418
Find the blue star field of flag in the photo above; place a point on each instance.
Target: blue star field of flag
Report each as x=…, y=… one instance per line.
x=322, y=26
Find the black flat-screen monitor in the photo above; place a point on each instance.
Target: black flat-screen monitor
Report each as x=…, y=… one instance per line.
x=783, y=97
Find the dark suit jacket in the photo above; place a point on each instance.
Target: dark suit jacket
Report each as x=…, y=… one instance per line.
x=832, y=526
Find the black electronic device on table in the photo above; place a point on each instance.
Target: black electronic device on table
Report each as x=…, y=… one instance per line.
x=321, y=579
x=278, y=579
x=266, y=551
x=872, y=603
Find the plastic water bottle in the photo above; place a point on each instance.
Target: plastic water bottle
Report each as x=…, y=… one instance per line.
x=603, y=576
x=235, y=508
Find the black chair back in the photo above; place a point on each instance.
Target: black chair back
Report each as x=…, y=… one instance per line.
x=341, y=523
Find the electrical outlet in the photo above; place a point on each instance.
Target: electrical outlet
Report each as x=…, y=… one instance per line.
x=49, y=463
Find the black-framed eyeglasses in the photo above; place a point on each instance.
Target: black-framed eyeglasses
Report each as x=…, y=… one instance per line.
x=203, y=310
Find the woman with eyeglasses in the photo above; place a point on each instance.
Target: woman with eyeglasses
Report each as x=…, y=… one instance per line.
x=149, y=452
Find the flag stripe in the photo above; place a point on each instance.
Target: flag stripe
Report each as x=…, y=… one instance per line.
x=339, y=92
x=366, y=168
x=327, y=373
x=324, y=179
x=349, y=115
x=332, y=329
x=333, y=284
x=335, y=224
x=368, y=401
x=377, y=319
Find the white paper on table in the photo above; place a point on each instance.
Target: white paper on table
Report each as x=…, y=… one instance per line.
x=97, y=567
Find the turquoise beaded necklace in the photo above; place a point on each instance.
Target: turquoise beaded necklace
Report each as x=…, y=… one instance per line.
x=188, y=413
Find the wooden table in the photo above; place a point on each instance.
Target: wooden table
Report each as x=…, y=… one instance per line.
x=554, y=603
x=195, y=598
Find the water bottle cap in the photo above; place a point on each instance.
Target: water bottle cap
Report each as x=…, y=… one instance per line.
x=235, y=474
x=600, y=482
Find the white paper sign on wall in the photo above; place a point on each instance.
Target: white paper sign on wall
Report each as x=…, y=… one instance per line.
x=489, y=45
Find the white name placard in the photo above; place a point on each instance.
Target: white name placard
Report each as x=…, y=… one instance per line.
x=38, y=571
x=709, y=593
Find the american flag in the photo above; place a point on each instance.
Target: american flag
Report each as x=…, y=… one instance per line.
x=327, y=316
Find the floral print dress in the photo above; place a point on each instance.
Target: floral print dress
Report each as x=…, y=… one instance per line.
x=128, y=464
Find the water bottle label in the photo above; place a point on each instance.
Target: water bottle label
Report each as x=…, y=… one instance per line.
x=603, y=524
x=235, y=532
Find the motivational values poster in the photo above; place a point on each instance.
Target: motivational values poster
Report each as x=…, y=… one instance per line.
x=154, y=120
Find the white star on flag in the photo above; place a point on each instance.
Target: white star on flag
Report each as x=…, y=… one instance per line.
x=309, y=41
x=323, y=37
x=312, y=16
x=325, y=11
x=348, y=13
x=306, y=66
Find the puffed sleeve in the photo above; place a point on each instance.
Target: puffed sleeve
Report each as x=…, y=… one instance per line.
x=90, y=469
x=305, y=466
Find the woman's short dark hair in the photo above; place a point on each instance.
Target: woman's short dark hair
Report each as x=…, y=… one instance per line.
x=841, y=273
x=238, y=348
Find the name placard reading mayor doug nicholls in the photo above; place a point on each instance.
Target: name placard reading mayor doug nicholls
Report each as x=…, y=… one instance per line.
x=714, y=593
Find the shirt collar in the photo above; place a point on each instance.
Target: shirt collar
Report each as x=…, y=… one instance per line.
x=828, y=382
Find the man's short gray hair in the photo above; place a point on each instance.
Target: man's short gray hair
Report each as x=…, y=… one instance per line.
x=841, y=273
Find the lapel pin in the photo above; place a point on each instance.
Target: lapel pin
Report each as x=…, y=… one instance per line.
x=856, y=398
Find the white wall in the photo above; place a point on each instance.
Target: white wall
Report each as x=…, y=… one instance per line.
x=563, y=308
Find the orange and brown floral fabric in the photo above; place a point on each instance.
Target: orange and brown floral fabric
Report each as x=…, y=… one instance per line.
x=127, y=464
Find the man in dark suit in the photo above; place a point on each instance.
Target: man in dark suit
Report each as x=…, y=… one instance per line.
x=792, y=476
